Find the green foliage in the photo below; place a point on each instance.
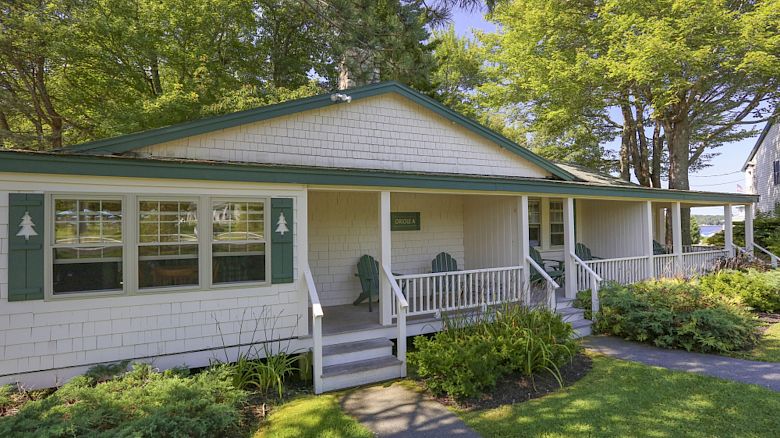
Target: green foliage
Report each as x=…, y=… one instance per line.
x=758, y=290
x=695, y=230
x=6, y=391
x=141, y=402
x=262, y=374
x=675, y=314
x=472, y=353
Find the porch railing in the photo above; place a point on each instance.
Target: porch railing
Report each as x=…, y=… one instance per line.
x=400, y=307
x=773, y=259
x=694, y=263
x=587, y=276
x=446, y=291
x=550, y=284
x=665, y=265
x=316, y=329
x=624, y=270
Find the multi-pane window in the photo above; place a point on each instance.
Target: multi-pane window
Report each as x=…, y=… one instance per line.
x=167, y=243
x=776, y=172
x=556, y=222
x=238, y=250
x=534, y=222
x=87, y=246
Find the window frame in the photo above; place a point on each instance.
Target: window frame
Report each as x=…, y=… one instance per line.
x=550, y=223
x=131, y=240
x=545, y=224
x=266, y=200
x=50, y=213
x=136, y=225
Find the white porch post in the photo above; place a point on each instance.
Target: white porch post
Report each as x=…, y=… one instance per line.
x=677, y=237
x=523, y=241
x=749, y=228
x=662, y=226
x=728, y=230
x=385, y=256
x=568, y=248
x=648, y=238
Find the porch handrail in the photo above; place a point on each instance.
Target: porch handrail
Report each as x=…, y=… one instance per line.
x=595, y=286
x=403, y=306
x=773, y=258
x=444, y=274
x=551, y=284
x=316, y=330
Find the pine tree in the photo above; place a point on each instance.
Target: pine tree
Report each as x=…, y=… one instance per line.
x=26, y=227
x=281, y=224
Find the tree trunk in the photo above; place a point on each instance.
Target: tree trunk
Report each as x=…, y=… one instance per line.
x=678, y=133
x=642, y=169
x=658, y=151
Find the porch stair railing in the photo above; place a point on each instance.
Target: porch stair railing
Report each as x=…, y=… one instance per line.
x=316, y=324
x=699, y=262
x=401, y=307
x=587, y=276
x=437, y=292
x=773, y=259
x=551, y=285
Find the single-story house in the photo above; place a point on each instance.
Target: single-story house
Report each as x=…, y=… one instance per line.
x=762, y=169
x=192, y=242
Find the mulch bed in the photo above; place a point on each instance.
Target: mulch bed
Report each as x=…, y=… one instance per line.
x=516, y=388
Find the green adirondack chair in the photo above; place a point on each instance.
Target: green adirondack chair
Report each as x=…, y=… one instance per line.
x=368, y=272
x=583, y=252
x=659, y=249
x=556, y=273
x=444, y=263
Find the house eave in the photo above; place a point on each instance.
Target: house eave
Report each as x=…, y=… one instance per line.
x=122, y=166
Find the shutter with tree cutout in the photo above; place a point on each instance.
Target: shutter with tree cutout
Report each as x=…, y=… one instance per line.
x=282, y=240
x=25, y=246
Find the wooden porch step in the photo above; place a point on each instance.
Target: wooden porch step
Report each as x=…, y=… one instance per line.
x=347, y=352
x=361, y=372
x=582, y=328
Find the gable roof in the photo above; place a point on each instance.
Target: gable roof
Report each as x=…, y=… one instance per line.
x=129, y=142
x=760, y=140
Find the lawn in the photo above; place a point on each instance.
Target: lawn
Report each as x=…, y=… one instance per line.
x=621, y=398
x=312, y=416
x=768, y=349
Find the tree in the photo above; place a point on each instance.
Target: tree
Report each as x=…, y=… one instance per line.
x=674, y=79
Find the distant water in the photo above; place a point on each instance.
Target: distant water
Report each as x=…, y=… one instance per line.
x=709, y=230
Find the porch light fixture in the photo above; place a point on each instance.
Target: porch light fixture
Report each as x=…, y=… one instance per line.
x=340, y=97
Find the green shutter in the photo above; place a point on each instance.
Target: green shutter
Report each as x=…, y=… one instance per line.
x=25, y=254
x=282, y=242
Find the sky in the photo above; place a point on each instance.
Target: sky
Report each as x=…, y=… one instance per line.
x=724, y=174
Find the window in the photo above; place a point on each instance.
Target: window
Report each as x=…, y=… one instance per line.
x=776, y=172
x=238, y=241
x=87, y=248
x=556, y=222
x=534, y=222
x=167, y=243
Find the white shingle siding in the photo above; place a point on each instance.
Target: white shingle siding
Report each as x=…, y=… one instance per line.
x=345, y=225
x=61, y=333
x=763, y=181
x=612, y=229
x=386, y=132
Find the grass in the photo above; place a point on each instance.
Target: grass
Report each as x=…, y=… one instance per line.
x=621, y=398
x=768, y=349
x=312, y=416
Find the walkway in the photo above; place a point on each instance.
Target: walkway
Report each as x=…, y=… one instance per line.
x=398, y=412
x=766, y=374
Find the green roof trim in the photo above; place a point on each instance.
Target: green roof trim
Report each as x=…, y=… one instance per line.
x=129, y=142
x=97, y=165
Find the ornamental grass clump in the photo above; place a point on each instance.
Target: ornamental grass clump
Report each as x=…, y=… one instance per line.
x=472, y=352
x=676, y=314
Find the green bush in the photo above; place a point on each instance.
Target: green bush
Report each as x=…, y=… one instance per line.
x=139, y=403
x=758, y=290
x=766, y=232
x=471, y=354
x=675, y=314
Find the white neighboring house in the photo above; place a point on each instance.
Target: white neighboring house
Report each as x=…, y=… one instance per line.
x=762, y=169
x=168, y=245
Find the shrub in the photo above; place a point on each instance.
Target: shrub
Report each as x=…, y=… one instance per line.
x=758, y=290
x=141, y=402
x=675, y=314
x=471, y=353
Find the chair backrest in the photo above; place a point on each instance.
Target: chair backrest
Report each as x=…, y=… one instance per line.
x=536, y=257
x=368, y=271
x=583, y=252
x=444, y=263
x=658, y=249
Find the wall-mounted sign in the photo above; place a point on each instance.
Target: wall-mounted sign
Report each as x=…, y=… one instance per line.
x=405, y=221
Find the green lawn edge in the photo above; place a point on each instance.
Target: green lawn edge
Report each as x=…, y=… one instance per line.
x=312, y=416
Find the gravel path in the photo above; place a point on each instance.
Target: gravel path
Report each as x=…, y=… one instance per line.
x=766, y=374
